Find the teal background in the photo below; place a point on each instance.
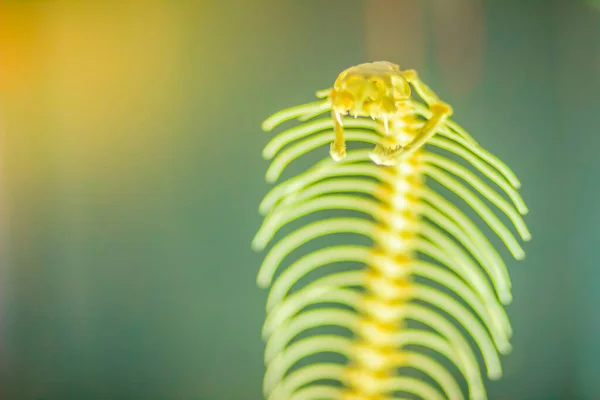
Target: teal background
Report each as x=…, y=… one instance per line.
x=127, y=270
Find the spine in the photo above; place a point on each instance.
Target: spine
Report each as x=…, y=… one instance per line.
x=375, y=354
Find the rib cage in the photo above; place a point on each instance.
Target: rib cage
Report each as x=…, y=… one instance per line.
x=415, y=233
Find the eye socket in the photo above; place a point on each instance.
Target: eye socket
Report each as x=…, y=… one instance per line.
x=343, y=100
x=378, y=84
x=375, y=89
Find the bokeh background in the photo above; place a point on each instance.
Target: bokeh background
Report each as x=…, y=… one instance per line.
x=131, y=172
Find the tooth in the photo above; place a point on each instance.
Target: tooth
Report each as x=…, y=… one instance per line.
x=385, y=124
x=338, y=117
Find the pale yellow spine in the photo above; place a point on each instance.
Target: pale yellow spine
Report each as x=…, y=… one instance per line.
x=376, y=355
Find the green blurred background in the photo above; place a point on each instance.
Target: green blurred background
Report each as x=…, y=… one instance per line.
x=131, y=173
